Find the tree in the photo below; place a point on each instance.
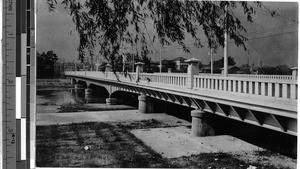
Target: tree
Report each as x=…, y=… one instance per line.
x=168, y=64
x=220, y=63
x=45, y=64
x=112, y=24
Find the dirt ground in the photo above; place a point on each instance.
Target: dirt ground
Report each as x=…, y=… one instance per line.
x=120, y=139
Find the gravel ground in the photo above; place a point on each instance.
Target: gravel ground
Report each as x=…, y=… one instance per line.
x=131, y=139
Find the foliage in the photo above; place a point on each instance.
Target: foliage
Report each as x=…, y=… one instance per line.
x=45, y=64
x=166, y=64
x=274, y=71
x=113, y=24
x=220, y=63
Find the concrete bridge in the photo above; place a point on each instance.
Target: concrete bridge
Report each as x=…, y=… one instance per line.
x=268, y=101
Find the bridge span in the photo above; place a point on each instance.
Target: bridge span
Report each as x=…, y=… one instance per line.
x=268, y=101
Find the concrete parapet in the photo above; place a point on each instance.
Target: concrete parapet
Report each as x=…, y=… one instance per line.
x=200, y=126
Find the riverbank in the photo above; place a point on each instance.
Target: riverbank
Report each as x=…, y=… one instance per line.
x=125, y=138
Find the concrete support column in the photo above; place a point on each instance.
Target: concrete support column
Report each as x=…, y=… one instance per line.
x=200, y=126
x=193, y=70
x=77, y=86
x=88, y=94
x=78, y=89
x=73, y=82
x=88, y=91
x=145, y=104
x=111, y=101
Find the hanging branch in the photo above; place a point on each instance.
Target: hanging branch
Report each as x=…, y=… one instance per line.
x=110, y=23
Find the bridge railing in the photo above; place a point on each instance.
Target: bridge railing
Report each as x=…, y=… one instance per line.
x=279, y=86
x=264, y=85
x=166, y=78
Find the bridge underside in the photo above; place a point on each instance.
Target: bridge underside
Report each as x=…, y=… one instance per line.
x=237, y=111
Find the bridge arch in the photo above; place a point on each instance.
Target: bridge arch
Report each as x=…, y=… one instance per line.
x=82, y=83
x=125, y=97
x=99, y=90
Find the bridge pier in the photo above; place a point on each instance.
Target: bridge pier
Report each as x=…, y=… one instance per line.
x=145, y=104
x=88, y=94
x=200, y=126
x=88, y=91
x=77, y=87
x=111, y=101
x=73, y=82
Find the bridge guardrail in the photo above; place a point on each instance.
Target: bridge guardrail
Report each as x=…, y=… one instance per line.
x=263, y=85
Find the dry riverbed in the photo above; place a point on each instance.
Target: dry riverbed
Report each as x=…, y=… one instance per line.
x=113, y=144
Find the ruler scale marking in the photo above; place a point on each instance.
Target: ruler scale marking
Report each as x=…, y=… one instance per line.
x=19, y=84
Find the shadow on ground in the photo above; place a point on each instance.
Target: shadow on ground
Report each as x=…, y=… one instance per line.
x=110, y=144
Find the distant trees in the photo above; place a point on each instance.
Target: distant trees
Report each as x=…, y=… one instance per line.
x=168, y=64
x=45, y=64
x=220, y=63
x=278, y=70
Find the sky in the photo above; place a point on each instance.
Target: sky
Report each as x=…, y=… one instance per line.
x=272, y=40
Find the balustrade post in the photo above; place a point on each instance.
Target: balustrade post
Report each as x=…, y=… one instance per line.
x=107, y=69
x=245, y=87
x=294, y=73
x=263, y=89
x=256, y=88
x=193, y=70
x=239, y=87
x=277, y=90
x=138, y=70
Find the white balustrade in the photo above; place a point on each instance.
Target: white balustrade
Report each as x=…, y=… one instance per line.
x=279, y=86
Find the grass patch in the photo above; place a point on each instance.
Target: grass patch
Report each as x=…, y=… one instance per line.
x=111, y=144
x=73, y=107
x=266, y=153
x=144, y=124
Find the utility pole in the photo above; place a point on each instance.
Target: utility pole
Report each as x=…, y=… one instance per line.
x=225, y=44
x=211, y=62
x=160, y=65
